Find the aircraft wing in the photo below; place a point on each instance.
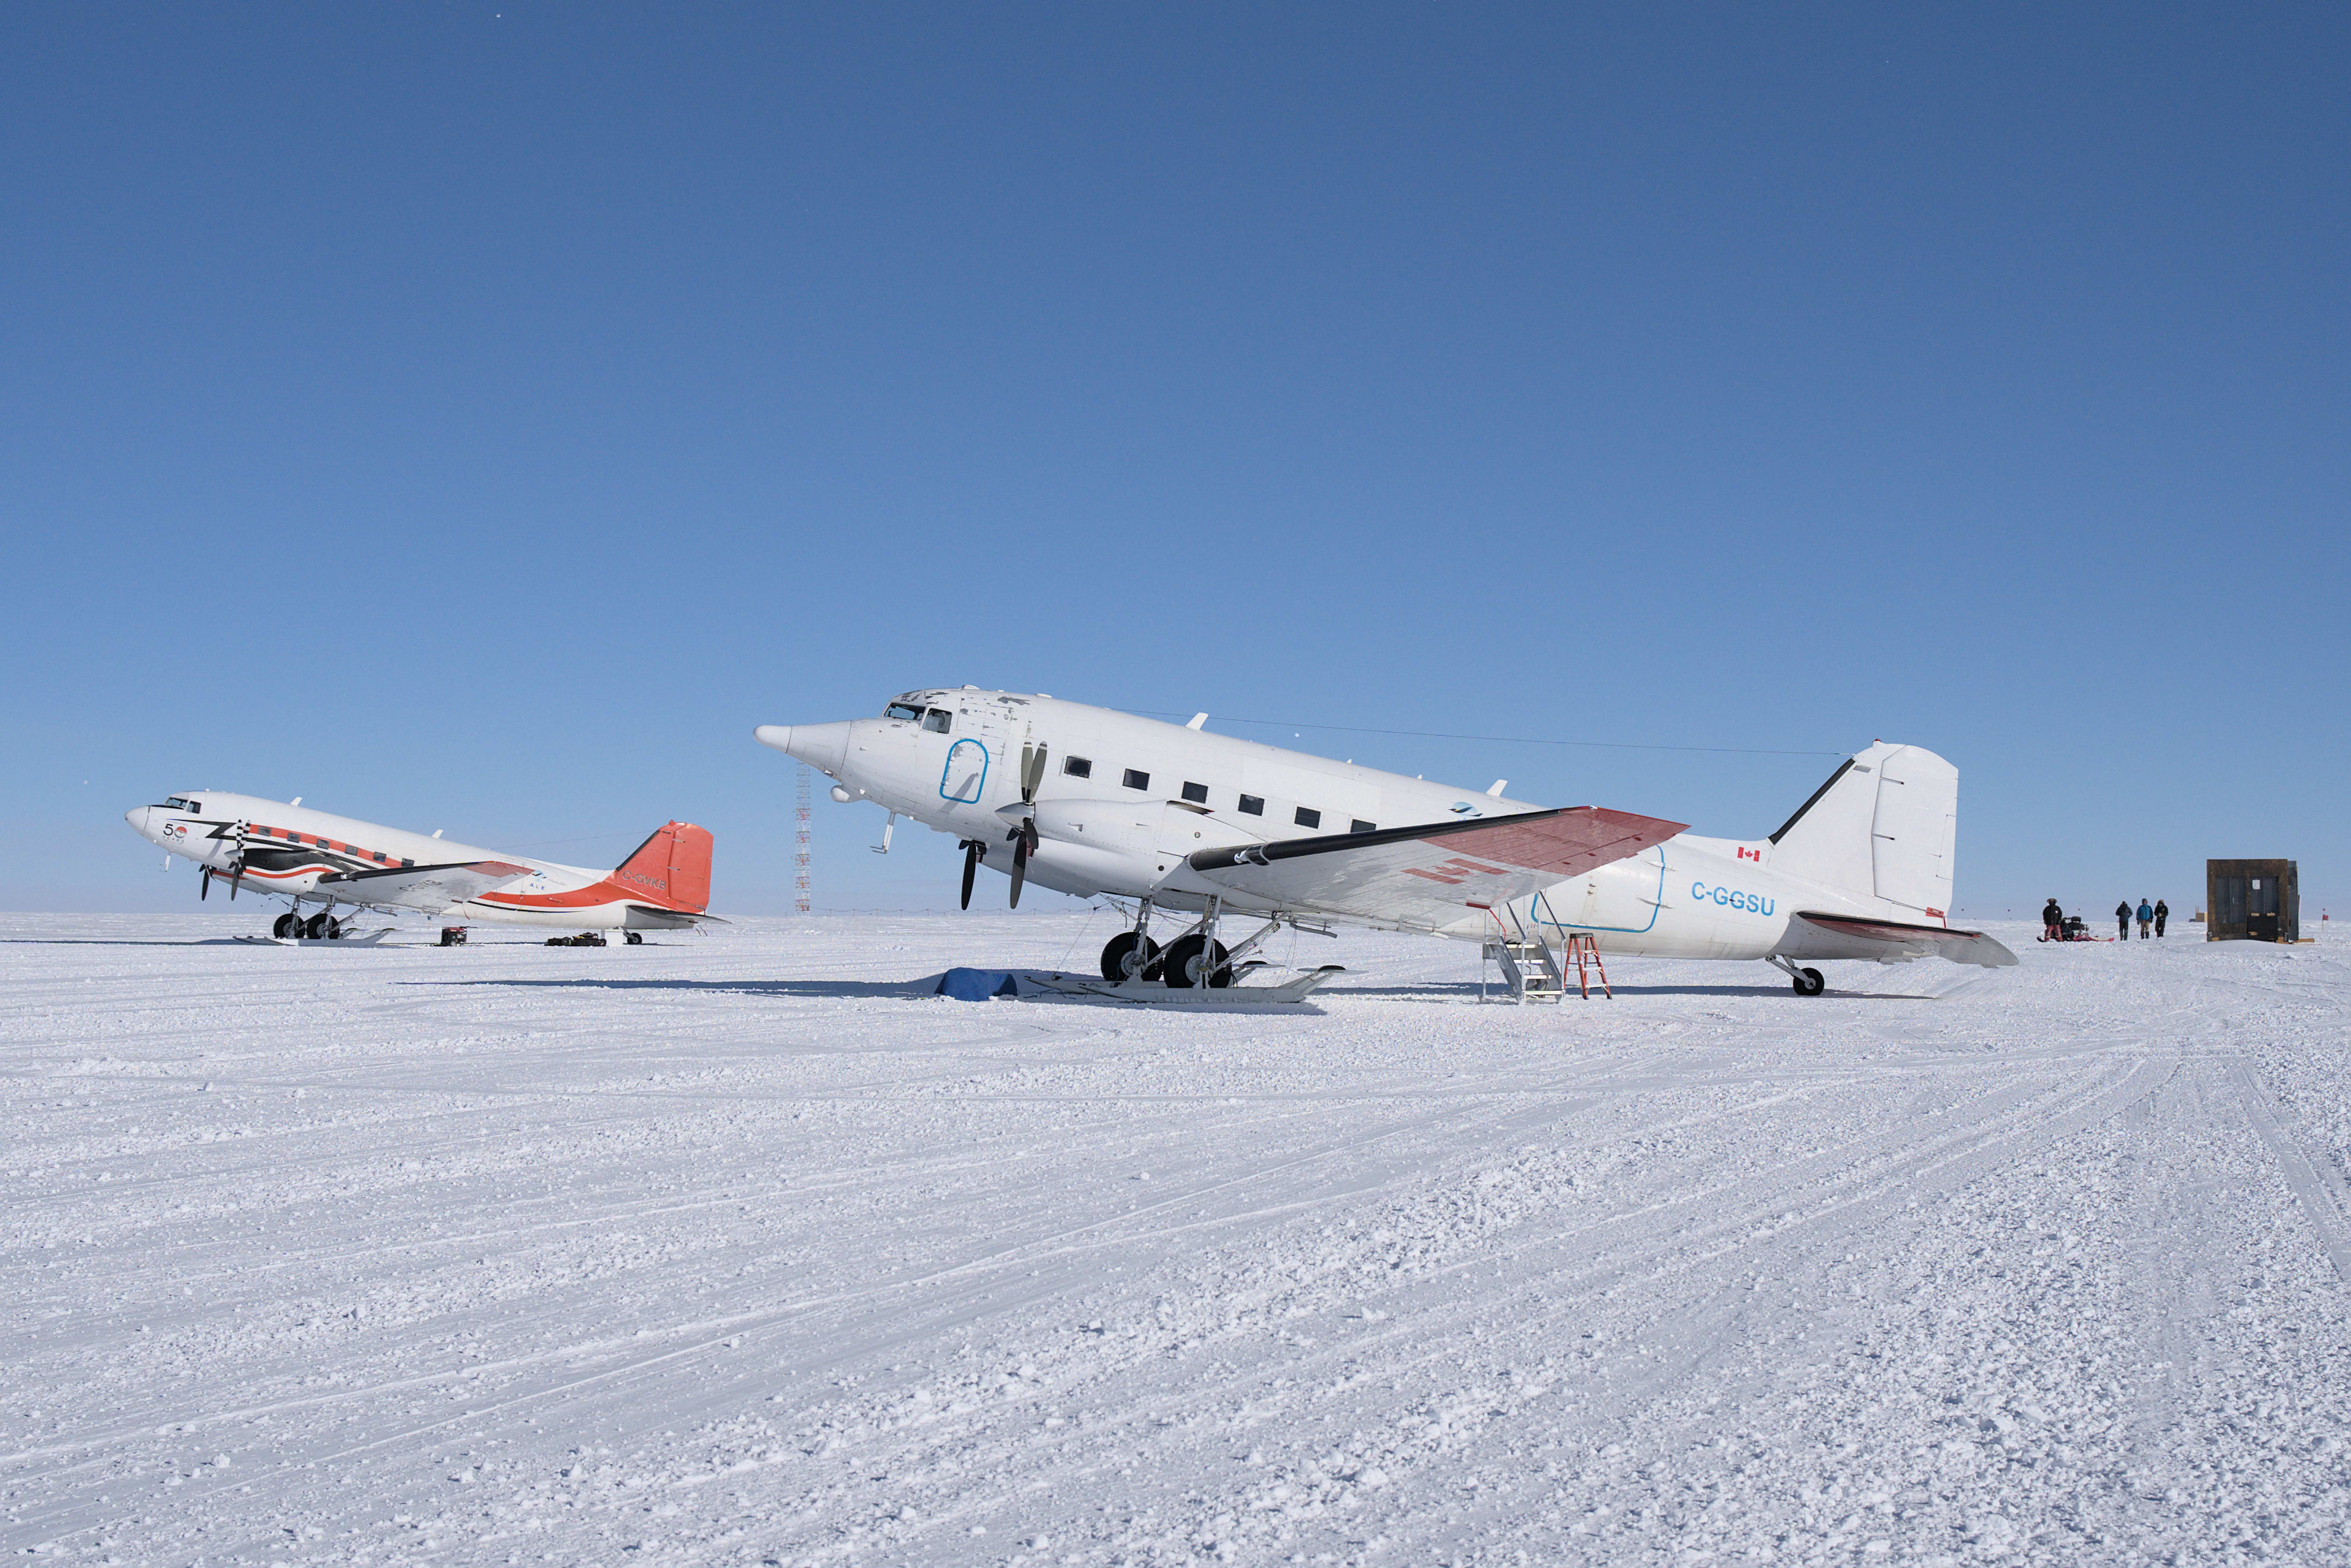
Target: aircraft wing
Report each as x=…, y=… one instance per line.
x=430, y=888
x=1424, y=877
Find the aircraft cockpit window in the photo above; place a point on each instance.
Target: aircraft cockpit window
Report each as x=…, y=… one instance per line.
x=179, y=803
x=902, y=710
x=939, y=721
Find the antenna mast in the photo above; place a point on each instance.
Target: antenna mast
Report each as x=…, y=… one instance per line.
x=801, y=842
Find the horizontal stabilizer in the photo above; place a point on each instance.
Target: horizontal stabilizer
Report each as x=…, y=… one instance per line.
x=430, y=888
x=1917, y=941
x=1423, y=877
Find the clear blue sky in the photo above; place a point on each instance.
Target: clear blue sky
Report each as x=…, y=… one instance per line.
x=479, y=417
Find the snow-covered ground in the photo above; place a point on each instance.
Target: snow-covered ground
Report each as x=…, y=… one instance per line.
x=731, y=1251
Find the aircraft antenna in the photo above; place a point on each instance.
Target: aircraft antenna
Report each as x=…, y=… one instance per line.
x=800, y=842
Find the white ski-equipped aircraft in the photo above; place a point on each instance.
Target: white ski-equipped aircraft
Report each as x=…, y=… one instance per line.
x=309, y=857
x=1089, y=800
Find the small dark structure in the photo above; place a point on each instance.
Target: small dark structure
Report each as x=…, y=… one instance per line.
x=2252, y=901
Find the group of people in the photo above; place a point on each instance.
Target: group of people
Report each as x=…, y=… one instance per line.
x=2149, y=915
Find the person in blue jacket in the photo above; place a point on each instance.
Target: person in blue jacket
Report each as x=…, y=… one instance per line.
x=2146, y=918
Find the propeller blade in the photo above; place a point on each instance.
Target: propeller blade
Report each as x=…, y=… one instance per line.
x=970, y=868
x=1032, y=773
x=204, y=885
x=1029, y=835
x=1020, y=866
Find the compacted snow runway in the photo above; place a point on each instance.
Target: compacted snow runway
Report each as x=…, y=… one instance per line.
x=731, y=1249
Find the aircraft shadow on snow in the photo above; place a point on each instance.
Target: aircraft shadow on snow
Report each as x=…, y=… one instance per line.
x=923, y=987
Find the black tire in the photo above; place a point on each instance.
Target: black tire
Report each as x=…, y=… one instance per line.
x=635, y=938
x=1186, y=955
x=1808, y=982
x=283, y=926
x=314, y=928
x=334, y=929
x=1115, y=957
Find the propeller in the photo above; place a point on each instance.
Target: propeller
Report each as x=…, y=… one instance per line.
x=1024, y=836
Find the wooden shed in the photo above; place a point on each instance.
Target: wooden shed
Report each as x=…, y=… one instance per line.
x=2252, y=901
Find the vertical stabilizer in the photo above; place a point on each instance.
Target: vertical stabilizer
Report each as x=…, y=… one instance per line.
x=671, y=868
x=1884, y=826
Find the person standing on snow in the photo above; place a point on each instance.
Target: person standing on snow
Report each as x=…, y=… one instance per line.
x=2053, y=921
x=2146, y=918
x=2122, y=920
x=2162, y=914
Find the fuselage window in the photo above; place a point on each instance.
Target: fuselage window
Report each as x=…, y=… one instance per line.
x=1309, y=818
x=1361, y=826
x=1253, y=804
x=939, y=721
x=1137, y=780
x=1196, y=793
x=1078, y=767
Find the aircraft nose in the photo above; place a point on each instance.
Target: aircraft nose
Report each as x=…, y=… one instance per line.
x=139, y=817
x=820, y=746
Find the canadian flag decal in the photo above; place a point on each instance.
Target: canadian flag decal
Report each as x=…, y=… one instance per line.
x=1748, y=854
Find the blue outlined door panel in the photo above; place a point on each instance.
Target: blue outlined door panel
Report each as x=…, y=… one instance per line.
x=1654, y=901
x=965, y=773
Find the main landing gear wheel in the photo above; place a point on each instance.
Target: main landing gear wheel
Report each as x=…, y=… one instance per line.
x=1808, y=983
x=1130, y=955
x=1188, y=957
x=322, y=927
x=283, y=926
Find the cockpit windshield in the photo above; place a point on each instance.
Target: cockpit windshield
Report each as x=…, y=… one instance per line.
x=939, y=721
x=179, y=803
x=902, y=710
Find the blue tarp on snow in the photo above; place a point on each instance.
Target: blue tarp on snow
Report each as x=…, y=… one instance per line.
x=977, y=985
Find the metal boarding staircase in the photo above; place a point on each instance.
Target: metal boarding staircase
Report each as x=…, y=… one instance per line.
x=1529, y=968
x=1533, y=972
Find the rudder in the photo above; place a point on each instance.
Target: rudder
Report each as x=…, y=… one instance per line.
x=1884, y=825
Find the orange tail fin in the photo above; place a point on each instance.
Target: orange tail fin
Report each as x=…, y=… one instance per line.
x=673, y=867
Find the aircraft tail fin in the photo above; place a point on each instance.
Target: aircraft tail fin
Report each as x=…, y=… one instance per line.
x=1884, y=826
x=671, y=868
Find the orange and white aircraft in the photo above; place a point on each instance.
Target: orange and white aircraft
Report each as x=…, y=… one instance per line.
x=289, y=851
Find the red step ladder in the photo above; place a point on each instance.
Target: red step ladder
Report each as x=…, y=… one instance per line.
x=1584, y=951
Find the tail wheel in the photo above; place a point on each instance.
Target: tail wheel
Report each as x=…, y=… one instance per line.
x=1130, y=955
x=635, y=938
x=1808, y=982
x=1194, y=960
